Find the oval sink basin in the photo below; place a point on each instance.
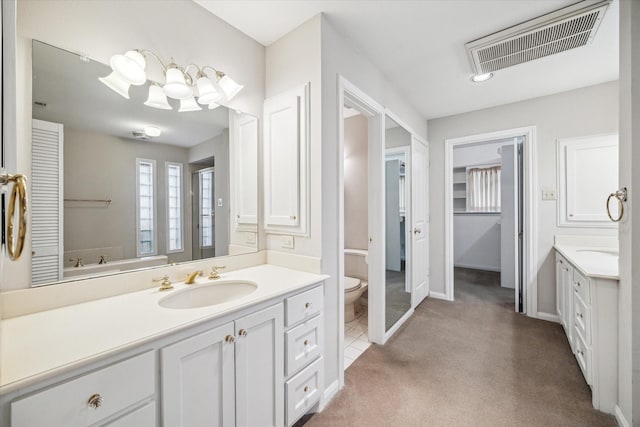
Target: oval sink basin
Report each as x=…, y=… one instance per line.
x=208, y=294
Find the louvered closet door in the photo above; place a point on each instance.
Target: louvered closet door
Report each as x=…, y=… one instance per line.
x=46, y=202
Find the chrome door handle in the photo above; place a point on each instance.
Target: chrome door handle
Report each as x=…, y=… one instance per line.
x=417, y=231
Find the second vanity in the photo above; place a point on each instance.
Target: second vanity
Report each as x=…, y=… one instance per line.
x=587, y=304
x=131, y=361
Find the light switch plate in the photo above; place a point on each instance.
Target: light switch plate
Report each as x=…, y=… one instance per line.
x=220, y=202
x=549, y=194
x=250, y=237
x=287, y=242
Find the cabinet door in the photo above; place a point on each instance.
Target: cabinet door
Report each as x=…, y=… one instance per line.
x=286, y=161
x=559, y=288
x=198, y=380
x=260, y=368
x=567, y=285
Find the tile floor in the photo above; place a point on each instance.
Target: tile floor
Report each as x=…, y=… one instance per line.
x=356, y=338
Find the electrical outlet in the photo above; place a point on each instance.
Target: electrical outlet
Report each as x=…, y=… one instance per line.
x=287, y=242
x=250, y=237
x=549, y=194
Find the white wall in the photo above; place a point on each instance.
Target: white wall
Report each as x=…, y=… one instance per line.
x=476, y=241
x=477, y=154
x=629, y=228
x=293, y=61
x=101, y=28
x=339, y=57
x=586, y=111
x=356, y=183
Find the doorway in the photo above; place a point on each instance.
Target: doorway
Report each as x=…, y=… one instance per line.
x=203, y=212
x=489, y=219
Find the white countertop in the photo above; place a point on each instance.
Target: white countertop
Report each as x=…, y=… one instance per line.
x=592, y=261
x=40, y=345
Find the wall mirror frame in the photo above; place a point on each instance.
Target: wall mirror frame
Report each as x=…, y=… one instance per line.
x=108, y=193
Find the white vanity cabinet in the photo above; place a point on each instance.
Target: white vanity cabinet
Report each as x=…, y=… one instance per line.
x=230, y=375
x=589, y=315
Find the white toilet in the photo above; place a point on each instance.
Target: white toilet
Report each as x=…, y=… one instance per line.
x=353, y=287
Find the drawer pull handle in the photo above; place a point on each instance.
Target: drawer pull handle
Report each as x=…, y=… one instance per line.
x=306, y=343
x=243, y=332
x=307, y=305
x=95, y=401
x=229, y=339
x=306, y=388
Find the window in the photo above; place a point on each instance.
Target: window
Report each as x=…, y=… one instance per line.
x=174, y=207
x=206, y=208
x=145, y=207
x=483, y=189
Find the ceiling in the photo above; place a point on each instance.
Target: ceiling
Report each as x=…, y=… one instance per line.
x=419, y=45
x=77, y=99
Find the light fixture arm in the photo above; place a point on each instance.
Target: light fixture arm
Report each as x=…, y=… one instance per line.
x=145, y=51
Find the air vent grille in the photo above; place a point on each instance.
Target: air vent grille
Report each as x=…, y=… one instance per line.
x=563, y=30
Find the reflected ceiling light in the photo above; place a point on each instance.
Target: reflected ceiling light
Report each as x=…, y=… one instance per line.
x=189, y=104
x=212, y=85
x=116, y=84
x=152, y=131
x=479, y=78
x=157, y=98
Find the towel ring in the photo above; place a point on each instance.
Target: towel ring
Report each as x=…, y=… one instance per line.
x=18, y=194
x=621, y=197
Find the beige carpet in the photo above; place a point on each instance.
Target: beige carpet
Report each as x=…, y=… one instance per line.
x=466, y=364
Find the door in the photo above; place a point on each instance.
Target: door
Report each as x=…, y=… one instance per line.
x=259, y=368
x=198, y=386
x=203, y=214
x=392, y=216
x=420, y=219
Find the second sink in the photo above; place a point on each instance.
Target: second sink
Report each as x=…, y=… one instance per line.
x=208, y=294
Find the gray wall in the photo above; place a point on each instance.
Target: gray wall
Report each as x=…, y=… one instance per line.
x=586, y=111
x=101, y=166
x=356, y=183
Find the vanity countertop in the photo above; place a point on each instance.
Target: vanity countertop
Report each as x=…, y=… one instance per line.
x=40, y=345
x=596, y=262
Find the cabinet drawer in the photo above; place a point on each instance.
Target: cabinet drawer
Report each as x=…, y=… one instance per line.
x=303, y=344
x=304, y=305
x=141, y=417
x=583, y=355
x=581, y=284
x=582, y=318
x=303, y=391
x=120, y=386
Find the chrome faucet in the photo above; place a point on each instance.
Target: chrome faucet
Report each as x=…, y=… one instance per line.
x=191, y=277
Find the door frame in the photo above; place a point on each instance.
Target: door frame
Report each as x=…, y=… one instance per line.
x=530, y=206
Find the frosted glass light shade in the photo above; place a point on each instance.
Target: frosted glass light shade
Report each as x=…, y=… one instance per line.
x=115, y=83
x=229, y=86
x=213, y=106
x=157, y=98
x=152, y=131
x=130, y=67
x=207, y=91
x=176, y=87
x=189, y=104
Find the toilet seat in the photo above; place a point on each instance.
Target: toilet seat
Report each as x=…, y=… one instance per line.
x=351, y=283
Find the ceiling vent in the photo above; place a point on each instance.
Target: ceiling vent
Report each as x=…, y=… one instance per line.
x=555, y=32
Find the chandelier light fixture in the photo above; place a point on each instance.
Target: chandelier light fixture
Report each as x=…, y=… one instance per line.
x=206, y=86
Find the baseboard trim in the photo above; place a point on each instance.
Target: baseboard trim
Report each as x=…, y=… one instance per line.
x=478, y=267
x=329, y=393
x=622, y=421
x=548, y=317
x=438, y=295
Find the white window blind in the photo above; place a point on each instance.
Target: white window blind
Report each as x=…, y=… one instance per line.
x=174, y=207
x=483, y=189
x=146, y=218
x=206, y=209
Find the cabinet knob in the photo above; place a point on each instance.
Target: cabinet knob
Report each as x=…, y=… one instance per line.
x=293, y=217
x=307, y=305
x=242, y=332
x=306, y=343
x=306, y=388
x=581, y=353
x=580, y=315
x=95, y=401
x=417, y=231
x=229, y=339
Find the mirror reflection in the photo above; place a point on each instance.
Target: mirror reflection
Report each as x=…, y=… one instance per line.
x=118, y=185
x=397, y=284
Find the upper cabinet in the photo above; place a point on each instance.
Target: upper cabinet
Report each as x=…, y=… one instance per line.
x=244, y=158
x=587, y=173
x=286, y=168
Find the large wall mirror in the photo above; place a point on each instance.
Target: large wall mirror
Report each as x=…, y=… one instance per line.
x=118, y=185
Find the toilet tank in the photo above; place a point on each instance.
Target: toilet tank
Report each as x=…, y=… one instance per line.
x=356, y=263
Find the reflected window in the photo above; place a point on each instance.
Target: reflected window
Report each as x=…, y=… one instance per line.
x=174, y=207
x=206, y=209
x=145, y=209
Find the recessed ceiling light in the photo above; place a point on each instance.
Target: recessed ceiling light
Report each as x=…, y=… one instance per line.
x=478, y=78
x=152, y=131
